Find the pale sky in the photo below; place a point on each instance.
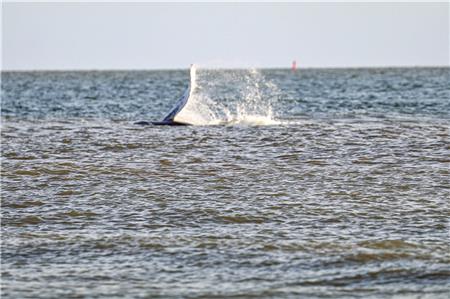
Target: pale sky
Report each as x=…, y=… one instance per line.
x=173, y=35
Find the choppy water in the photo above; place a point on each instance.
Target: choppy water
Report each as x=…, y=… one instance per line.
x=346, y=195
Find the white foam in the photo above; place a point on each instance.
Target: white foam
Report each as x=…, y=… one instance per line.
x=229, y=98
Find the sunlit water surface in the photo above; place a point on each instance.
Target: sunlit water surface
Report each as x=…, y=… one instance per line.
x=345, y=194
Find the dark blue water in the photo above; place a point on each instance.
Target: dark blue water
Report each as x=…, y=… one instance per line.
x=345, y=195
x=333, y=93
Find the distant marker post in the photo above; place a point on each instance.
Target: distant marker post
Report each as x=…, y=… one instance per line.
x=294, y=66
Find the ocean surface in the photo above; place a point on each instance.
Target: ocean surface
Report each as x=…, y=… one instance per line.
x=320, y=183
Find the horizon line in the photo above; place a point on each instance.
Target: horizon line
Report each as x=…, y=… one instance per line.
x=222, y=68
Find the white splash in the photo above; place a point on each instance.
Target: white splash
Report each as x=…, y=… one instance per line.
x=229, y=97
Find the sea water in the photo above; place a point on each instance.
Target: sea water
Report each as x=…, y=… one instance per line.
x=320, y=183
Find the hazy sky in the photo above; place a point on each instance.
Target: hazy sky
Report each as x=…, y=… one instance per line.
x=173, y=35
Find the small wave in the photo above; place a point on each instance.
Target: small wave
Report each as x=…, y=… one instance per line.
x=74, y=213
x=16, y=156
x=29, y=220
x=68, y=193
x=27, y=172
x=365, y=257
x=242, y=219
x=24, y=204
x=387, y=244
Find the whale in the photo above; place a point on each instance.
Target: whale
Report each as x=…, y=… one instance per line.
x=169, y=120
x=172, y=119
